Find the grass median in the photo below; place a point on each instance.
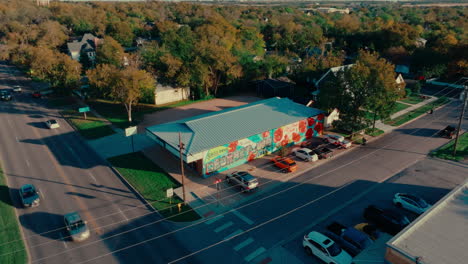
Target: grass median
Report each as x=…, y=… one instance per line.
x=417, y=112
x=9, y=230
x=413, y=99
x=446, y=151
x=90, y=128
x=152, y=182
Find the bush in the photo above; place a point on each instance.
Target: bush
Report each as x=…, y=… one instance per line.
x=416, y=88
x=408, y=92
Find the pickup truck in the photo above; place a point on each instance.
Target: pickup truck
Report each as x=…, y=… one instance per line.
x=323, y=153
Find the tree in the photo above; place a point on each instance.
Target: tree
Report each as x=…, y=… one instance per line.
x=102, y=78
x=110, y=52
x=122, y=32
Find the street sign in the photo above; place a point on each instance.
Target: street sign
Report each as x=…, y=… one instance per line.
x=130, y=131
x=84, y=109
x=170, y=192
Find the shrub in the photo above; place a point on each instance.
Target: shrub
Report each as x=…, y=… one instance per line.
x=416, y=88
x=408, y=92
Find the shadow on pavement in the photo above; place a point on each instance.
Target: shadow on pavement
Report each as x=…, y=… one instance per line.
x=422, y=132
x=5, y=195
x=81, y=195
x=43, y=222
x=38, y=125
x=110, y=188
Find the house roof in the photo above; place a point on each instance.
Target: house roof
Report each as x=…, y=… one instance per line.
x=214, y=129
x=334, y=71
x=86, y=42
x=439, y=235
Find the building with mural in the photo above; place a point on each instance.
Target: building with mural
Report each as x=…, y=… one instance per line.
x=221, y=140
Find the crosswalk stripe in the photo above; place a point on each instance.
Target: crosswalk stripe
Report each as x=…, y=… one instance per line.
x=242, y=217
x=221, y=228
x=243, y=244
x=255, y=254
x=214, y=219
x=238, y=231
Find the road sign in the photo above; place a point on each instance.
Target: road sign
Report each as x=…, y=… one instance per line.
x=170, y=192
x=84, y=109
x=130, y=131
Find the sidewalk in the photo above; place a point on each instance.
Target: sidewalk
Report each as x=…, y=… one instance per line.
x=387, y=128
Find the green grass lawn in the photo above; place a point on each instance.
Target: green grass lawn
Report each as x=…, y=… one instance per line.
x=91, y=128
x=117, y=115
x=152, y=182
x=416, y=112
x=374, y=132
x=9, y=229
x=413, y=99
x=398, y=107
x=446, y=151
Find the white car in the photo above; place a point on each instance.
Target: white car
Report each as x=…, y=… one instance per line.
x=17, y=89
x=52, y=124
x=305, y=154
x=325, y=249
x=338, y=140
x=411, y=203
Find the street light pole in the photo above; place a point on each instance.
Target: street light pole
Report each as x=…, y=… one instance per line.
x=460, y=120
x=181, y=148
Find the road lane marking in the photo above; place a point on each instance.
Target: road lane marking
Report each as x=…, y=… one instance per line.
x=238, y=231
x=214, y=219
x=27, y=163
x=243, y=244
x=17, y=140
x=255, y=254
x=91, y=175
x=242, y=217
x=221, y=228
x=122, y=214
x=63, y=241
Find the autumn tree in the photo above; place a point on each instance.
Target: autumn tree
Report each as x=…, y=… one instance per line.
x=110, y=52
x=102, y=78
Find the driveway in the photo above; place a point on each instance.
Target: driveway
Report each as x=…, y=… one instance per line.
x=194, y=109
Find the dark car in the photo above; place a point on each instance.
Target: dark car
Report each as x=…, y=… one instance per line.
x=323, y=153
x=448, y=132
x=76, y=227
x=5, y=95
x=351, y=235
x=29, y=195
x=244, y=180
x=387, y=220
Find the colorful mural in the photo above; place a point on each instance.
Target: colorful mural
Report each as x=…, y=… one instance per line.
x=241, y=151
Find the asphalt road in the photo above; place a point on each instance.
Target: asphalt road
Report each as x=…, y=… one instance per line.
x=71, y=177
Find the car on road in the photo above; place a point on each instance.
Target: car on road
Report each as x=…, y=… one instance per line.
x=323, y=153
x=448, y=132
x=52, y=123
x=337, y=140
x=76, y=227
x=285, y=164
x=357, y=238
x=244, y=180
x=305, y=154
x=325, y=249
x=5, y=95
x=29, y=195
x=17, y=89
x=387, y=220
x=36, y=94
x=411, y=203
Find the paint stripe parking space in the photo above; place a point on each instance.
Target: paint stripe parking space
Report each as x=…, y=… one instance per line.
x=243, y=244
x=238, y=231
x=255, y=254
x=242, y=217
x=214, y=219
x=221, y=228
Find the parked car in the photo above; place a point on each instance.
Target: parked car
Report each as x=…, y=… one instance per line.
x=323, y=153
x=52, y=124
x=36, y=94
x=285, y=164
x=448, y=132
x=17, y=89
x=243, y=179
x=29, y=195
x=359, y=239
x=337, y=140
x=5, y=95
x=411, y=202
x=370, y=229
x=310, y=144
x=387, y=220
x=305, y=154
x=325, y=249
x=76, y=227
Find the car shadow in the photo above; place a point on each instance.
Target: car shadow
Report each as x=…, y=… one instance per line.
x=38, y=125
x=36, y=116
x=82, y=195
x=54, y=229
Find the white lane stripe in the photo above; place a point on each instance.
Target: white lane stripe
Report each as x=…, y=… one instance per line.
x=214, y=219
x=242, y=217
x=238, y=231
x=221, y=228
x=63, y=241
x=17, y=140
x=122, y=213
x=243, y=244
x=91, y=175
x=255, y=254
x=9, y=121
x=27, y=163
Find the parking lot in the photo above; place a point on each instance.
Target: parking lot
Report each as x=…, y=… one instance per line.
x=429, y=179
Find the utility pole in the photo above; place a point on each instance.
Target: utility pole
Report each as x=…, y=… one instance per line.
x=460, y=120
x=181, y=148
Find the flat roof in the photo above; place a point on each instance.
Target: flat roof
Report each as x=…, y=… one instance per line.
x=214, y=129
x=441, y=234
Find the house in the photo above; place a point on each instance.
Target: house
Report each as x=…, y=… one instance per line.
x=420, y=42
x=330, y=10
x=165, y=94
x=330, y=117
x=87, y=44
x=282, y=87
x=403, y=69
x=218, y=141
x=401, y=82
